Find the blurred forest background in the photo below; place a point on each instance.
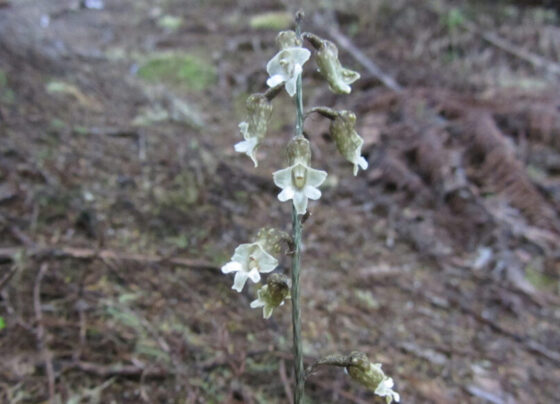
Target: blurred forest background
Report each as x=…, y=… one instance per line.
x=121, y=197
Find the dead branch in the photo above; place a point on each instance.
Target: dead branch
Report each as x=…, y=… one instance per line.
x=40, y=331
x=8, y=254
x=131, y=371
x=493, y=39
x=285, y=381
x=4, y=281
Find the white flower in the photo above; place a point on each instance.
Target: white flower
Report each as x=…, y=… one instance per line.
x=371, y=376
x=254, y=129
x=249, y=261
x=338, y=77
x=272, y=295
x=248, y=145
x=286, y=66
x=356, y=158
x=347, y=140
x=299, y=182
x=385, y=389
x=264, y=302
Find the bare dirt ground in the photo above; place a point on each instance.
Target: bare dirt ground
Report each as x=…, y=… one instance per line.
x=121, y=197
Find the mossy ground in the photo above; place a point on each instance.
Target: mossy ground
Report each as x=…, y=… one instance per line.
x=187, y=71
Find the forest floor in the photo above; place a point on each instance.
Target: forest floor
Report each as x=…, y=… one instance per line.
x=121, y=197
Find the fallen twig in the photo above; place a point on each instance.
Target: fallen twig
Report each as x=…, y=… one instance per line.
x=533, y=58
x=133, y=371
x=41, y=342
x=285, y=381
x=8, y=254
x=4, y=281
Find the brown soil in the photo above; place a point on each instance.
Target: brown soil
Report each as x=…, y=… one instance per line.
x=442, y=260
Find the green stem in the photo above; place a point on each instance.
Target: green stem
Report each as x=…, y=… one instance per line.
x=299, y=107
x=296, y=309
x=296, y=258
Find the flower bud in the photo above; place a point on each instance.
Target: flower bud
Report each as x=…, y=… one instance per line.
x=298, y=151
x=338, y=77
x=254, y=129
x=371, y=376
x=273, y=294
x=287, y=39
x=347, y=140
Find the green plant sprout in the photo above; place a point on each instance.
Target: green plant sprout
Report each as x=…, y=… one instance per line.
x=299, y=182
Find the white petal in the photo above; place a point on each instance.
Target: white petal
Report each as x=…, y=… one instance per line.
x=257, y=303
x=245, y=145
x=384, y=388
x=248, y=147
x=312, y=192
x=315, y=177
x=286, y=194
x=396, y=396
x=362, y=162
x=241, y=253
x=239, y=281
x=300, y=202
x=389, y=383
x=231, y=267
x=291, y=86
x=267, y=311
x=273, y=81
x=254, y=275
x=299, y=55
x=273, y=67
x=267, y=263
x=283, y=178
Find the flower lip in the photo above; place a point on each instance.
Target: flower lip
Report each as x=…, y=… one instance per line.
x=299, y=182
x=299, y=175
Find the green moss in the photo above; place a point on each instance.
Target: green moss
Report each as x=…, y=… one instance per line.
x=170, y=22
x=538, y=279
x=184, y=70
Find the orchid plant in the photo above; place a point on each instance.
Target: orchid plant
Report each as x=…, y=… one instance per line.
x=299, y=182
